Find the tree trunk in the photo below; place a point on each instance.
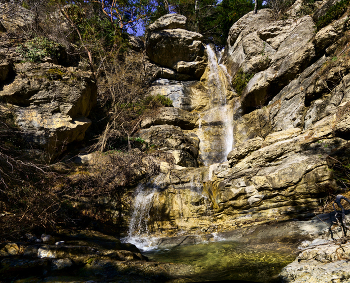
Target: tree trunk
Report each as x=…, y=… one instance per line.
x=196, y=16
x=256, y=7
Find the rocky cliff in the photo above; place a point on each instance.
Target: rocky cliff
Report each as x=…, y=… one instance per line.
x=277, y=98
x=48, y=101
x=252, y=128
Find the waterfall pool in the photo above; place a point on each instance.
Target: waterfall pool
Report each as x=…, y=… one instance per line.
x=228, y=261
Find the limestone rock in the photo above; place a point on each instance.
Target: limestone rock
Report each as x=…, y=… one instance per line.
x=169, y=21
x=254, y=124
x=171, y=116
x=50, y=103
x=243, y=150
x=342, y=123
x=273, y=51
x=171, y=137
x=329, y=34
x=323, y=263
x=155, y=72
x=178, y=91
x=15, y=17
x=169, y=45
x=295, y=9
x=288, y=107
x=183, y=158
x=272, y=178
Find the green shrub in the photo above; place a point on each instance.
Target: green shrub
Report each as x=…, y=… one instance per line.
x=158, y=100
x=241, y=80
x=39, y=47
x=334, y=13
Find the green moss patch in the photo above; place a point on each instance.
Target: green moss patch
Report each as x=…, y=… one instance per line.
x=241, y=80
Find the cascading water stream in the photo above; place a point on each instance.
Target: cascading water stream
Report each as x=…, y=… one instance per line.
x=216, y=131
x=138, y=233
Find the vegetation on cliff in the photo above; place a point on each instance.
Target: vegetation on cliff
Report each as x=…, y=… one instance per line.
x=36, y=195
x=92, y=35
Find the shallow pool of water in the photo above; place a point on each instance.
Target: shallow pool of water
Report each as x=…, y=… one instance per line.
x=226, y=260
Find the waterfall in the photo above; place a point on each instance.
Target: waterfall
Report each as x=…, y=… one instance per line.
x=138, y=233
x=216, y=131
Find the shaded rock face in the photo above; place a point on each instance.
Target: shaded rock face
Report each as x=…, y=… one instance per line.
x=170, y=45
x=81, y=256
x=183, y=146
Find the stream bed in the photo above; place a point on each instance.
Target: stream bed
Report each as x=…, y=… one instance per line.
x=228, y=260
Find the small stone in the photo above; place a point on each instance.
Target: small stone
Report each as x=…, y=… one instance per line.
x=46, y=238
x=46, y=253
x=10, y=249
x=60, y=243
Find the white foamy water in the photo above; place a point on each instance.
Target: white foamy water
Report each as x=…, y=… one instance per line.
x=139, y=233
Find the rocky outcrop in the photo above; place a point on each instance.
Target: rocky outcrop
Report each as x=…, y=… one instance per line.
x=172, y=47
x=50, y=103
x=292, y=114
x=320, y=261
x=268, y=179
x=172, y=138
x=14, y=17
x=273, y=51
x=172, y=116
x=329, y=35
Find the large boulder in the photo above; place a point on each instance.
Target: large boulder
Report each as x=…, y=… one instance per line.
x=50, y=103
x=169, y=45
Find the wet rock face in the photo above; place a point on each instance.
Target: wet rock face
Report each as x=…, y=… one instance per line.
x=269, y=179
x=295, y=114
x=170, y=45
